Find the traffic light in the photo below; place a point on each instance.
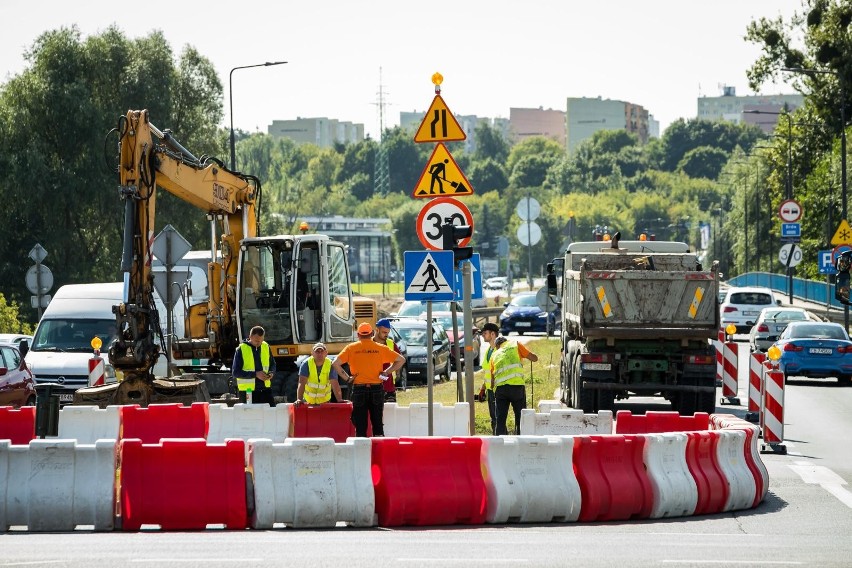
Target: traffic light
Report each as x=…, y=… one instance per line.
x=451, y=235
x=841, y=282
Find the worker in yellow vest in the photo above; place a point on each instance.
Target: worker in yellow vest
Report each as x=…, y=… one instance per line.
x=489, y=331
x=254, y=367
x=382, y=335
x=317, y=379
x=507, y=380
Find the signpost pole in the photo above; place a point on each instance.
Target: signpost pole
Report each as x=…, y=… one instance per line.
x=430, y=367
x=467, y=288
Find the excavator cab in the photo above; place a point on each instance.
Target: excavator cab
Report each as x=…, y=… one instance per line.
x=297, y=288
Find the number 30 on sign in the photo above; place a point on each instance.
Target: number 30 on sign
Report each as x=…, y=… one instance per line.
x=434, y=214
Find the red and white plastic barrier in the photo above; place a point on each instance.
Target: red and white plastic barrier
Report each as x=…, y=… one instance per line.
x=312, y=482
x=719, y=344
x=87, y=424
x=565, y=422
x=675, y=490
x=530, y=479
x=56, y=485
x=413, y=420
x=246, y=421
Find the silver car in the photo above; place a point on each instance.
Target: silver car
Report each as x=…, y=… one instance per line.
x=771, y=322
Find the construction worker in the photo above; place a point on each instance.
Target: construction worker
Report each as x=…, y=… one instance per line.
x=366, y=360
x=507, y=380
x=489, y=331
x=317, y=379
x=381, y=336
x=254, y=367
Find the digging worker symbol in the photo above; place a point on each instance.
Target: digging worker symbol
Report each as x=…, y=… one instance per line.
x=438, y=172
x=430, y=273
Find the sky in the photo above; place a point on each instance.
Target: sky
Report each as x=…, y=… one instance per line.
x=493, y=54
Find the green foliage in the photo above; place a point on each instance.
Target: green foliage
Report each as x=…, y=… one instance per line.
x=10, y=318
x=54, y=117
x=683, y=136
x=703, y=162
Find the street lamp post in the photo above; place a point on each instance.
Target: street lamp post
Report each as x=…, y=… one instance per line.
x=231, y=100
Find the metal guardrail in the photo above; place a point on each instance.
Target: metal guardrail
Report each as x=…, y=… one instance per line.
x=810, y=294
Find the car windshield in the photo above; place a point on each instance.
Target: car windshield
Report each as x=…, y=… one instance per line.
x=413, y=336
x=526, y=300
x=784, y=316
x=73, y=334
x=750, y=298
x=816, y=331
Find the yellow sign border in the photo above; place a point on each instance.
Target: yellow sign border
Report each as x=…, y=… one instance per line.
x=424, y=133
x=452, y=164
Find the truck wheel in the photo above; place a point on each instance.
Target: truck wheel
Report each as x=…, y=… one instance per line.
x=706, y=402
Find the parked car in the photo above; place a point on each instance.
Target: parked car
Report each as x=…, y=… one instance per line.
x=496, y=283
x=17, y=386
x=816, y=350
x=15, y=338
x=446, y=321
x=523, y=315
x=412, y=331
x=771, y=322
x=742, y=306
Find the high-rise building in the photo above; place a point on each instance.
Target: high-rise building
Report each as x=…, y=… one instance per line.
x=728, y=106
x=584, y=116
x=320, y=131
x=528, y=122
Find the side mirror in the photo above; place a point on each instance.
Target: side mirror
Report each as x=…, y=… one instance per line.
x=24, y=347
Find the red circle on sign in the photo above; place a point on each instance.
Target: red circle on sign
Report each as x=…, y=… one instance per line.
x=790, y=211
x=837, y=251
x=432, y=216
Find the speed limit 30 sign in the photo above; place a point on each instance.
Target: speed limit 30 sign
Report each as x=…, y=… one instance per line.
x=434, y=214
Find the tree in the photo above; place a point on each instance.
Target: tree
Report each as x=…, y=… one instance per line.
x=685, y=135
x=10, y=318
x=487, y=175
x=490, y=143
x=540, y=146
x=703, y=161
x=53, y=120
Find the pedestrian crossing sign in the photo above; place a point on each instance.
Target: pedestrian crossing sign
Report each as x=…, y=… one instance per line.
x=428, y=275
x=442, y=176
x=439, y=124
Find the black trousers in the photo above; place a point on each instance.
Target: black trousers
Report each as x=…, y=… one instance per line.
x=368, y=400
x=504, y=395
x=492, y=410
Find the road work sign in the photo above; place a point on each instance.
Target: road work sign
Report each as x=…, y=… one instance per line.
x=442, y=176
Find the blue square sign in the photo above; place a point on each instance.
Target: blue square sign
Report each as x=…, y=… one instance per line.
x=791, y=229
x=476, y=293
x=826, y=266
x=429, y=275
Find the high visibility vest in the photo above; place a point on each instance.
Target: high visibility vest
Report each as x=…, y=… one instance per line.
x=506, y=366
x=247, y=383
x=318, y=389
x=489, y=353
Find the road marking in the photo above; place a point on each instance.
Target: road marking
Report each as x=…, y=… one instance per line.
x=464, y=560
x=193, y=560
x=728, y=562
x=825, y=478
x=34, y=563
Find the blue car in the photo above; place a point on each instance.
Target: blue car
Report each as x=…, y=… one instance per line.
x=523, y=315
x=816, y=350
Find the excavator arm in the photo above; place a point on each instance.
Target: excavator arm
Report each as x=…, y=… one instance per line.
x=150, y=158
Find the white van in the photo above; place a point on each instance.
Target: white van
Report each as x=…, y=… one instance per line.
x=61, y=346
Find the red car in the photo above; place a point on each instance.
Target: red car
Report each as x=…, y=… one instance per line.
x=17, y=387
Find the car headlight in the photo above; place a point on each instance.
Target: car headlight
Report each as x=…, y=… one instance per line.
x=420, y=360
x=542, y=315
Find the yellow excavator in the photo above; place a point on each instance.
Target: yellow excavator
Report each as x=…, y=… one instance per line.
x=296, y=286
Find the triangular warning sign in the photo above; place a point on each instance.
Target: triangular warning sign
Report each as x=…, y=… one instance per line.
x=428, y=278
x=843, y=234
x=439, y=124
x=442, y=176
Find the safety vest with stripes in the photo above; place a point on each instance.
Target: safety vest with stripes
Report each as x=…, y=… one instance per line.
x=318, y=389
x=247, y=383
x=489, y=353
x=506, y=366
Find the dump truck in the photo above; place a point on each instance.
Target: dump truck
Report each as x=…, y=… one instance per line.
x=638, y=319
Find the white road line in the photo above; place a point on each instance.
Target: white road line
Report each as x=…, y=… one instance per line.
x=34, y=563
x=825, y=478
x=441, y=561
x=193, y=560
x=746, y=562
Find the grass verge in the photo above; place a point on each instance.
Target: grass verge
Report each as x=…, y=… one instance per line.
x=545, y=380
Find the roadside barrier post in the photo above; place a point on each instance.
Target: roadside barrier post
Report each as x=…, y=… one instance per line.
x=755, y=386
x=729, y=378
x=773, y=405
